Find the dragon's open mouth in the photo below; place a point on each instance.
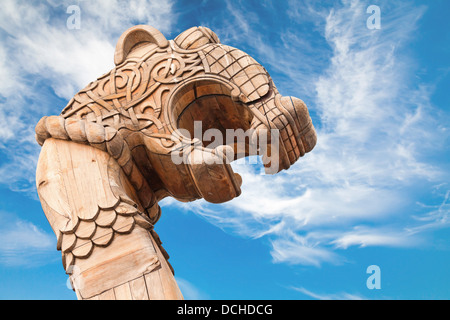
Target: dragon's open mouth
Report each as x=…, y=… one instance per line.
x=210, y=114
x=214, y=124
x=205, y=110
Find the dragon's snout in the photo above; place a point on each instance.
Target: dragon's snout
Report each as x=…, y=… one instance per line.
x=290, y=129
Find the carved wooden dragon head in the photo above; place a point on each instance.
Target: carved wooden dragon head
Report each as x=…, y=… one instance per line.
x=144, y=114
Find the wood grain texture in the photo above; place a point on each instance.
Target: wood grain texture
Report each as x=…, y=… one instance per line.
x=130, y=138
x=139, y=289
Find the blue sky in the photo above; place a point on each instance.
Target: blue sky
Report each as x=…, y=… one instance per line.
x=374, y=191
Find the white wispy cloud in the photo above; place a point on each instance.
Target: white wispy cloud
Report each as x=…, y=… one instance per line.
x=435, y=216
x=375, y=124
x=363, y=236
x=334, y=296
x=295, y=249
x=189, y=291
x=39, y=43
x=24, y=244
